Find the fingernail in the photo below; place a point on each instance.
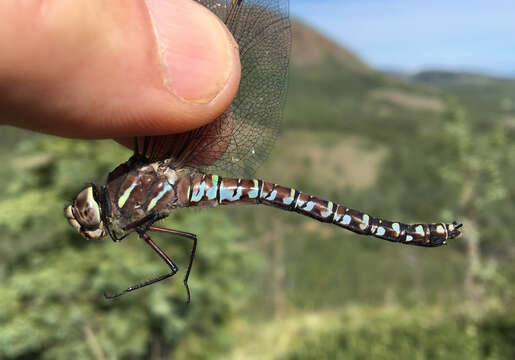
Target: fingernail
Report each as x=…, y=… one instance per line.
x=196, y=52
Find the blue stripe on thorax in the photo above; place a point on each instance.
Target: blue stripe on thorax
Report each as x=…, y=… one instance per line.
x=125, y=196
x=167, y=187
x=127, y=193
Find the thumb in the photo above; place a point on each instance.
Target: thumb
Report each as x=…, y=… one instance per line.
x=113, y=69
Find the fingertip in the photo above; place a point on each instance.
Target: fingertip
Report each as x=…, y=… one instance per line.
x=97, y=69
x=195, y=74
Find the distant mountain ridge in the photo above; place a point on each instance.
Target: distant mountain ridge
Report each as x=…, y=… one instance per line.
x=487, y=99
x=444, y=77
x=332, y=89
x=332, y=86
x=311, y=47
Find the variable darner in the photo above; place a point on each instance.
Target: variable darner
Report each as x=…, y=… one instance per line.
x=175, y=171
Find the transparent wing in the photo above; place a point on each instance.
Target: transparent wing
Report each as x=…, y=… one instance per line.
x=238, y=141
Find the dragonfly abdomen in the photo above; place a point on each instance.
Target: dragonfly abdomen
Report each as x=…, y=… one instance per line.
x=212, y=190
x=354, y=220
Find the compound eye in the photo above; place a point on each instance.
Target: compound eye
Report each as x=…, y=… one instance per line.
x=86, y=208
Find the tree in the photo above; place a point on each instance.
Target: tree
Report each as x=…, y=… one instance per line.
x=475, y=163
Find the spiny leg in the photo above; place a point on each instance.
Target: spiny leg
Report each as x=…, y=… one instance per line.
x=192, y=254
x=163, y=256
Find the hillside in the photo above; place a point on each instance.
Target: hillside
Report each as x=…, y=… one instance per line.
x=310, y=48
x=331, y=88
x=361, y=99
x=489, y=100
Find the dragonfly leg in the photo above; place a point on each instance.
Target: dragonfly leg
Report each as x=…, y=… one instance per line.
x=136, y=146
x=163, y=256
x=192, y=254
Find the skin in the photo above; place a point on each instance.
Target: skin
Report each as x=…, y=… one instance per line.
x=114, y=69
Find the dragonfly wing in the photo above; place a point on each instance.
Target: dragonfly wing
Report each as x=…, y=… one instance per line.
x=239, y=140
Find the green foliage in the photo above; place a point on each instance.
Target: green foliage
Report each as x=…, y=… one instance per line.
x=488, y=100
x=332, y=97
x=407, y=334
x=52, y=305
x=478, y=160
x=57, y=294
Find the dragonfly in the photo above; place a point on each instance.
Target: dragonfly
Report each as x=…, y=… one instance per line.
x=213, y=165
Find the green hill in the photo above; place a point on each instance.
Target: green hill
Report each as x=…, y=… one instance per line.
x=335, y=90
x=489, y=100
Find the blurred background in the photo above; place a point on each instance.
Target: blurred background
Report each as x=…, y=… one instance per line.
x=402, y=109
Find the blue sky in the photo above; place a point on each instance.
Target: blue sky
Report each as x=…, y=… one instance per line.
x=410, y=35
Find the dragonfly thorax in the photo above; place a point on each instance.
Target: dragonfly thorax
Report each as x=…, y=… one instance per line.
x=84, y=214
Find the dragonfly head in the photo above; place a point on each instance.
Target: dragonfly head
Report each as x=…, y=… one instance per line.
x=84, y=214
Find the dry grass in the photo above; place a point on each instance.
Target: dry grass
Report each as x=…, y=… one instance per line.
x=275, y=338
x=508, y=121
x=407, y=100
x=338, y=164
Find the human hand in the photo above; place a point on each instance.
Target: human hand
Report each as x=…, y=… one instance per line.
x=114, y=69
